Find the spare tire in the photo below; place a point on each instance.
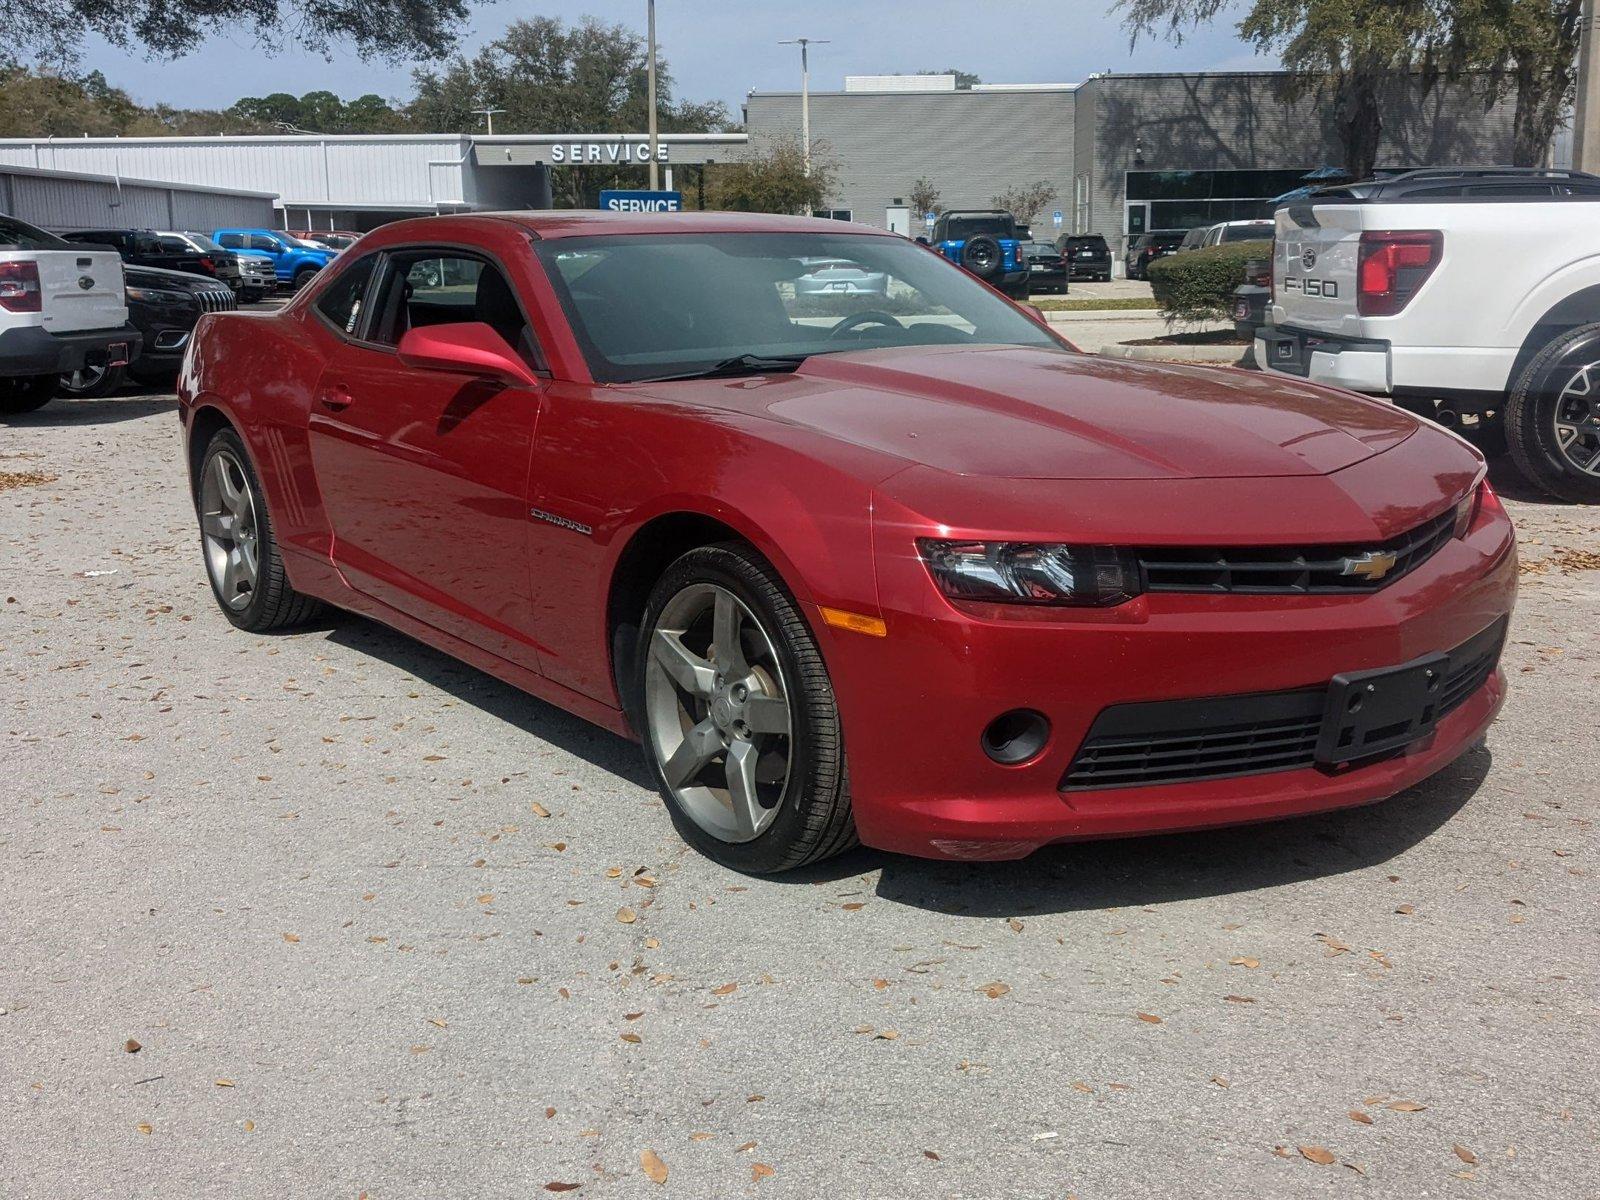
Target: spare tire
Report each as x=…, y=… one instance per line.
x=981, y=255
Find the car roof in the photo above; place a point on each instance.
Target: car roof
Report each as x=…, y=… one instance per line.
x=564, y=223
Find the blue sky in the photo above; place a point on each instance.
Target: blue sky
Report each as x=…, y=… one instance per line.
x=721, y=49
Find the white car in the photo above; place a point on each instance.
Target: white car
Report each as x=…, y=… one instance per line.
x=62, y=308
x=1454, y=292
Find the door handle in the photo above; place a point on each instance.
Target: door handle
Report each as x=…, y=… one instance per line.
x=335, y=396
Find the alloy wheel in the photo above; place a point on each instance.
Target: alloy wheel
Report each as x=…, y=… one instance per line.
x=718, y=713
x=1577, y=420
x=230, y=530
x=83, y=378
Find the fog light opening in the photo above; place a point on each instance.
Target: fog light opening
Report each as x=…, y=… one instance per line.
x=1015, y=737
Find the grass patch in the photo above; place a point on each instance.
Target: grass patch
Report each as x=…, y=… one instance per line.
x=1203, y=337
x=1093, y=303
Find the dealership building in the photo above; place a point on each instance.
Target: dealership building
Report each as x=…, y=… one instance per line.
x=1124, y=153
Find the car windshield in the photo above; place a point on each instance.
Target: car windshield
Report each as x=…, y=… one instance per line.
x=201, y=242
x=19, y=235
x=1087, y=243
x=650, y=307
x=302, y=243
x=959, y=229
x=1166, y=240
x=1254, y=232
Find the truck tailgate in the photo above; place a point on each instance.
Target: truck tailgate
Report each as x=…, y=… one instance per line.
x=81, y=289
x=1315, y=251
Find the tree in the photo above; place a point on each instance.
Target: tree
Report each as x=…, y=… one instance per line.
x=321, y=112
x=1345, y=51
x=772, y=178
x=1524, y=48
x=50, y=31
x=1025, y=202
x=925, y=197
x=585, y=78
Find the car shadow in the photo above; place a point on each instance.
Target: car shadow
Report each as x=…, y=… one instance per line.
x=535, y=717
x=1510, y=483
x=63, y=412
x=1071, y=877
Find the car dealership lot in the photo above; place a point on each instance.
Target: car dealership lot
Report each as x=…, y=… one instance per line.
x=378, y=923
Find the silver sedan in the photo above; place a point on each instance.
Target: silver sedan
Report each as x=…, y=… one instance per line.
x=839, y=277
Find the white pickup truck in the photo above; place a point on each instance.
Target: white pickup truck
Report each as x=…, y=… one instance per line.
x=62, y=308
x=1457, y=293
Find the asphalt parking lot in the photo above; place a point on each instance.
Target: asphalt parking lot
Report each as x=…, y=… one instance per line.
x=329, y=915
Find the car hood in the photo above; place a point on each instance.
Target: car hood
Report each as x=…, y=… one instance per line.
x=1022, y=413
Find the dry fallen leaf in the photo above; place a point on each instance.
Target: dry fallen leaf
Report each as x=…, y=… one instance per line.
x=995, y=990
x=439, y=1021
x=929, y=1154
x=1242, y=961
x=886, y=1035
x=1016, y=925
x=1406, y=1106
x=632, y=1037
x=1240, y=999
x=291, y=937
x=650, y=1163
x=1465, y=1155
x=549, y=1112
x=701, y=1137
x=1355, y=1114
x=249, y=1126
x=1317, y=1155
x=539, y=810
x=1221, y=1081
x=1150, y=1018
x=627, y=916
x=760, y=1171
x=224, y=1083
x=562, y=1187
x=726, y=989
x=131, y=1046
x=145, y=1127
x=853, y=906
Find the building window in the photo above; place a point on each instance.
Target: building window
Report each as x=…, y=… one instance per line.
x=1080, y=204
x=834, y=214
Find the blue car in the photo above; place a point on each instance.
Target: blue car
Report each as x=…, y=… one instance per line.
x=987, y=243
x=295, y=263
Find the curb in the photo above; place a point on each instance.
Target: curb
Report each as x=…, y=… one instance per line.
x=1232, y=356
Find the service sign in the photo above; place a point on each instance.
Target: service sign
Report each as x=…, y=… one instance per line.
x=605, y=153
x=641, y=201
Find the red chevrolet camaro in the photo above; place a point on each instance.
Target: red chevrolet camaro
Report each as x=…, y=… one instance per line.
x=901, y=566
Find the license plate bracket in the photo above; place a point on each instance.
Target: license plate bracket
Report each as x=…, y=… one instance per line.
x=1372, y=712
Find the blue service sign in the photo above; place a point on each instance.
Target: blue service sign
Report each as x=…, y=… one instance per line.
x=641, y=201
x=1056, y=216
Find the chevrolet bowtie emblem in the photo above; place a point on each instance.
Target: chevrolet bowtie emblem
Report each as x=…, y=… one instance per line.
x=1371, y=566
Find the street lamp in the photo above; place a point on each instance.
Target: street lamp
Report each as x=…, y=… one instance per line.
x=805, y=99
x=488, y=115
x=655, y=169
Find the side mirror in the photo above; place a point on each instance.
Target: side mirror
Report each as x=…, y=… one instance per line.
x=465, y=348
x=922, y=241
x=1037, y=313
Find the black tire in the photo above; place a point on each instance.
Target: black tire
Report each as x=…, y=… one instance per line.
x=814, y=820
x=24, y=393
x=91, y=383
x=274, y=604
x=1538, y=395
x=982, y=256
x=250, y=295
x=153, y=376
x=304, y=276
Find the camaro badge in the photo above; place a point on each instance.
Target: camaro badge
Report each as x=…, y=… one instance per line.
x=563, y=522
x=1371, y=566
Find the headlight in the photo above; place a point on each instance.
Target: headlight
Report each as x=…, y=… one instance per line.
x=1031, y=572
x=156, y=295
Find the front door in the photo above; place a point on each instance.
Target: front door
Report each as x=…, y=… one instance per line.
x=424, y=474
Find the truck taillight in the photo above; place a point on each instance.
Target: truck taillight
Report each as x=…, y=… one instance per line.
x=1392, y=265
x=208, y=264
x=19, y=287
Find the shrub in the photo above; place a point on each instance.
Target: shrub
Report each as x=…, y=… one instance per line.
x=1197, y=285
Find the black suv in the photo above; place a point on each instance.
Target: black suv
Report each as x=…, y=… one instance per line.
x=1147, y=247
x=147, y=248
x=1087, y=256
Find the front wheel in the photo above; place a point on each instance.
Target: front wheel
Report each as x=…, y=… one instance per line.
x=304, y=276
x=1552, y=416
x=737, y=715
x=24, y=393
x=236, y=536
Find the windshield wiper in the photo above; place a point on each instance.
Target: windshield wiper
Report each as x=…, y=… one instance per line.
x=740, y=364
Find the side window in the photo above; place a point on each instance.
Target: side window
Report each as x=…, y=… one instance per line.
x=173, y=245
x=143, y=243
x=444, y=288
x=259, y=241
x=231, y=241
x=341, y=303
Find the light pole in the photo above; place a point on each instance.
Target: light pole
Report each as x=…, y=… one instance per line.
x=805, y=99
x=1586, y=115
x=655, y=168
x=488, y=115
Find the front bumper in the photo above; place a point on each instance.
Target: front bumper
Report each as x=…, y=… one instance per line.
x=34, y=350
x=1361, y=366
x=915, y=703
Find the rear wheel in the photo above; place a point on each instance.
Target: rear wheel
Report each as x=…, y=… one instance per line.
x=91, y=382
x=241, y=553
x=738, y=717
x=1552, y=416
x=24, y=393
